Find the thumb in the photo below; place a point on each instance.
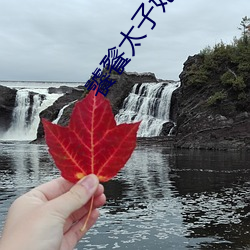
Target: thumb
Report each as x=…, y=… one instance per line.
x=76, y=197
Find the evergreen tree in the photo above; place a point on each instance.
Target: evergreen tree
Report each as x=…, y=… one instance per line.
x=245, y=28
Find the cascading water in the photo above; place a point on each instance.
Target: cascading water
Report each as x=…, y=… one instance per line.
x=149, y=103
x=61, y=112
x=25, y=117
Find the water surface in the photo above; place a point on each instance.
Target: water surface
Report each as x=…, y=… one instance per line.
x=161, y=200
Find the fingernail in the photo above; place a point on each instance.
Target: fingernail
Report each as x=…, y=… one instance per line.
x=89, y=182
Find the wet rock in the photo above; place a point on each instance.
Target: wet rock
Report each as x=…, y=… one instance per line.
x=52, y=112
x=125, y=82
x=7, y=105
x=242, y=116
x=60, y=90
x=166, y=128
x=64, y=89
x=117, y=93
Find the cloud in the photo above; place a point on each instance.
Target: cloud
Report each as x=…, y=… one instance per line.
x=65, y=40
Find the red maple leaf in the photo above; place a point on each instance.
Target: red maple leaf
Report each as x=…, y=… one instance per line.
x=92, y=142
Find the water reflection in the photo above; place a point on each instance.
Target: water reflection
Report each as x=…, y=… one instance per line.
x=26, y=164
x=142, y=208
x=22, y=167
x=160, y=200
x=214, y=187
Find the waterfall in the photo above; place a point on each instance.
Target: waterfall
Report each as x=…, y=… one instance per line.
x=149, y=103
x=61, y=112
x=25, y=117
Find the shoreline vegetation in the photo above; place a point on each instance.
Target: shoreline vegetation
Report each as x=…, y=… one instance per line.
x=213, y=103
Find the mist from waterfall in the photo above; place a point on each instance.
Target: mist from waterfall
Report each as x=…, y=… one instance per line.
x=25, y=116
x=149, y=103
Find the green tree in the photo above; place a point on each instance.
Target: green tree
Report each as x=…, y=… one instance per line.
x=245, y=28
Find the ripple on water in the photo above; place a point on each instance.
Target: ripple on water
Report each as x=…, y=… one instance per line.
x=158, y=201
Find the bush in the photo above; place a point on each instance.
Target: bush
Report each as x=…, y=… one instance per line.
x=210, y=64
x=206, y=51
x=244, y=67
x=236, y=82
x=222, y=53
x=216, y=98
x=226, y=68
x=228, y=78
x=239, y=84
x=197, y=75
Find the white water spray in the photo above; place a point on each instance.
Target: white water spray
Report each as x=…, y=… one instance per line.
x=61, y=112
x=149, y=103
x=25, y=117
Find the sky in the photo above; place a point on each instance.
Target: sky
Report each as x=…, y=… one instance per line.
x=65, y=40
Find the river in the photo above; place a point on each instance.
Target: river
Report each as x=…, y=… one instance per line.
x=162, y=199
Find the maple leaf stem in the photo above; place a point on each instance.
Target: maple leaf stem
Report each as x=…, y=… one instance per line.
x=84, y=228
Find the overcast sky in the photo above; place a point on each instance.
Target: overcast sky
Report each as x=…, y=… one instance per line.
x=65, y=40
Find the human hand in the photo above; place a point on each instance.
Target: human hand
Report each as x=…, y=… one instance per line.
x=50, y=216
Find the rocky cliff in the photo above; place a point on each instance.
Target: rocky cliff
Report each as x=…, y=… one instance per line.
x=210, y=114
x=117, y=93
x=7, y=104
x=211, y=108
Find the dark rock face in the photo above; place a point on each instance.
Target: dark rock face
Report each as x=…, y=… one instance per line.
x=117, y=93
x=63, y=90
x=7, y=104
x=166, y=128
x=199, y=125
x=31, y=101
x=175, y=102
x=125, y=82
x=52, y=112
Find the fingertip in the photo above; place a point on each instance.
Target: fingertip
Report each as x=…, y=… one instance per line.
x=100, y=201
x=99, y=190
x=95, y=213
x=101, y=187
x=103, y=199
